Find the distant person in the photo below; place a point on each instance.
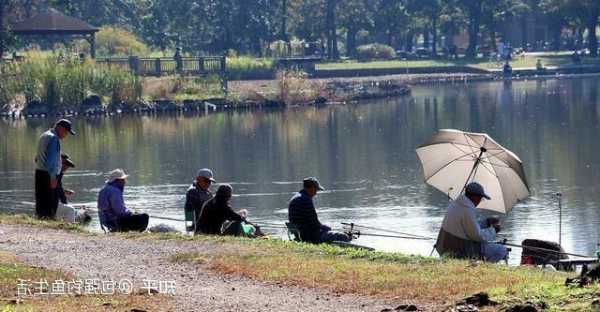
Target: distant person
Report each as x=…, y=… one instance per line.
x=461, y=236
x=112, y=211
x=178, y=60
x=507, y=70
x=48, y=167
x=65, y=212
x=197, y=194
x=539, y=66
x=303, y=215
x=216, y=211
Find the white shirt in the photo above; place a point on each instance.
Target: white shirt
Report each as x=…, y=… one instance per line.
x=461, y=221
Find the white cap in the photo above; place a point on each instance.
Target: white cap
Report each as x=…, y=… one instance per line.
x=117, y=174
x=205, y=173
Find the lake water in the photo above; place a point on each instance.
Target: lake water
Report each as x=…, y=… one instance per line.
x=364, y=154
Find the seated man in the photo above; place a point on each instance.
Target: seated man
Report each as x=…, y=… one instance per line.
x=197, y=194
x=216, y=211
x=111, y=207
x=461, y=236
x=65, y=212
x=303, y=215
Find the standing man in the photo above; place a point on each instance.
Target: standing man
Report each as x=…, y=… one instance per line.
x=48, y=164
x=461, y=236
x=112, y=211
x=197, y=194
x=303, y=215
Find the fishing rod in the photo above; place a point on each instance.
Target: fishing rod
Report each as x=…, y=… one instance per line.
x=389, y=236
x=352, y=225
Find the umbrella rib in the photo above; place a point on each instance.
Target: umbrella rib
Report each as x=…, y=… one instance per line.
x=443, y=167
x=460, y=150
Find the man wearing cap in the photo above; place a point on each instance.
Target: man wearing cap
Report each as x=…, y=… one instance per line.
x=303, y=215
x=48, y=165
x=197, y=194
x=112, y=211
x=461, y=236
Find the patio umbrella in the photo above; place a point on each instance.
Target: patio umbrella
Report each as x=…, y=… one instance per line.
x=451, y=159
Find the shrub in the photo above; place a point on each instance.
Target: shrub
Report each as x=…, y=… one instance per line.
x=244, y=66
x=113, y=41
x=375, y=51
x=295, y=88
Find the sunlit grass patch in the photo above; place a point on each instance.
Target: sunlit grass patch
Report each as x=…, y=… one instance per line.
x=24, y=219
x=345, y=270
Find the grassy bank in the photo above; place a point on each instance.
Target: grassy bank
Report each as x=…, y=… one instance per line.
x=13, y=271
x=423, y=280
x=391, y=275
x=526, y=61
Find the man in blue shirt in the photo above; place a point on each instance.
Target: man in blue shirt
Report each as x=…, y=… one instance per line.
x=112, y=212
x=303, y=215
x=48, y=165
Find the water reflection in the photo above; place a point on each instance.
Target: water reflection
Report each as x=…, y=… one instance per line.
x=364, y=154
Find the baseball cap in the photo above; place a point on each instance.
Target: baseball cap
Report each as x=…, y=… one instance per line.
x=206, y=173
x=66, y=124
x=311, y=181
x=475, y=188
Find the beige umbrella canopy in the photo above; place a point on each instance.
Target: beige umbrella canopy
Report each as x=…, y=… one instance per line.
x=453, y=158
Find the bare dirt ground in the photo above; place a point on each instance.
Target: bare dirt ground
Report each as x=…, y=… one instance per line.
x=113, y=258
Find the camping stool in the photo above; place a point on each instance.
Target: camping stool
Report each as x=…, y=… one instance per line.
x=292, y=230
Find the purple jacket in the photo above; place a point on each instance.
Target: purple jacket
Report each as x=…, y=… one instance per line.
x=111, y=205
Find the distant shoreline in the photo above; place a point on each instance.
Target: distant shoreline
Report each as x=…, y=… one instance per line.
x=352, y=89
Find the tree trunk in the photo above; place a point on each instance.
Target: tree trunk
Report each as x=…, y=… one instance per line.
x=409, y=41
x=351, y=42
x=493, y=46
x=434, y=34
x=474, y=22
x=556, y=33
x=336, y=52
x=284, y=35
x=426, y=38
x=328, y=17
x=592, y=23
x=3, y=32
x=524, y=40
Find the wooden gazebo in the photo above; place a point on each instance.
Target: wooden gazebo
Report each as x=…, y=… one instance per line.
x=53, y=22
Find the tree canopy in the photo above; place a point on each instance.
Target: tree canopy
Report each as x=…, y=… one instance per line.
x=248, y=26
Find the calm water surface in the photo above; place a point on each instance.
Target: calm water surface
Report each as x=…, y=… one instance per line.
x=363, y=153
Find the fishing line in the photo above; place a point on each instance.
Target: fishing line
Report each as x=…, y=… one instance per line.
x=388, y=231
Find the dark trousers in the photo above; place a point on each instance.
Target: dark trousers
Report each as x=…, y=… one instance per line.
x=134, y=222
x=46, y=199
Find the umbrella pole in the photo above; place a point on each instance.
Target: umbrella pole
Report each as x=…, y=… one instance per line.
x=474, y=169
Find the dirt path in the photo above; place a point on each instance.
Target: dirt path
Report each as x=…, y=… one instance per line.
x=111, y=258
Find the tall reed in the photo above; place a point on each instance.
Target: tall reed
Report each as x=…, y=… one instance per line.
x=63, y=83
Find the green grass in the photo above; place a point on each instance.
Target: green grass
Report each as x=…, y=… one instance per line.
x=24, y=219
x=242, y=66
x=548, y=59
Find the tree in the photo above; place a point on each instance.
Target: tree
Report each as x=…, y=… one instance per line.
x=332, y=48
x=354, y=16
x=431, y=10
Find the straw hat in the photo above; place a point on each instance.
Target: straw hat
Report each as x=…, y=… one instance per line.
x=117, y=174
